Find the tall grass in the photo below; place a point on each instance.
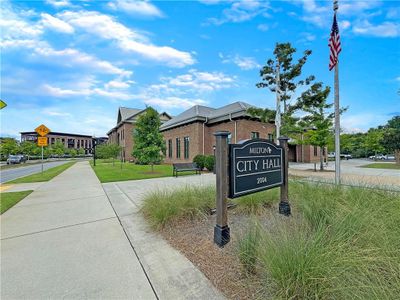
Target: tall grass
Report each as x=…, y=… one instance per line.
x=162, y=207
x=344, y=245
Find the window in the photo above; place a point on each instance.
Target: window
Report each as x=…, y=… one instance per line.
x=229, y=139
x=169, y=148
x=270, y=137
x=315, y=151
x=186, y=146
x=178, y=148
x=255, y=135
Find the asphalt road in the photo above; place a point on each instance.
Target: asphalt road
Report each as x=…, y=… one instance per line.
x=14, y=173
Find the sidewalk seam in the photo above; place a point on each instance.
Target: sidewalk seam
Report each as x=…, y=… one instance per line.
x=56, y=228
x=133, y=248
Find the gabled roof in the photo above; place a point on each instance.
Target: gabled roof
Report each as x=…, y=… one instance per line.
x=208, y=115
x=125, y=113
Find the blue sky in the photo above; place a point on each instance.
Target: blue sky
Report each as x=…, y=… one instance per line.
x=71, y=64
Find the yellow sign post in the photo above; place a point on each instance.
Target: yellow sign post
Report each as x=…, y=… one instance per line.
x=42, y=139
x=42, y=130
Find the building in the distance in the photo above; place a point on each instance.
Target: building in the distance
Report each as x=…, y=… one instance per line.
x=70, y=140
x=122, y=133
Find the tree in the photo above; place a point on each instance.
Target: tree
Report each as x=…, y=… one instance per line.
x=28, y=148
x=288, y=83
x=148, y=141
x=391, y=137
x=58, y=148
x=113, y=150
x=373, y=141
x=317, y=119
x=8, y=146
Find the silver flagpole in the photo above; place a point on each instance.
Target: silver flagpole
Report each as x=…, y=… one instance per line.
x=337, y=114
x=278, y=103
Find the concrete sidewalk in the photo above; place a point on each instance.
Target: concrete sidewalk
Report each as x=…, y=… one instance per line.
x=65, y=241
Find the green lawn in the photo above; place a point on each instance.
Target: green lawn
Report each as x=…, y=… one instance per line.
x=107, y=172
x=387, y=165
x=8, y=200
x=45, y=176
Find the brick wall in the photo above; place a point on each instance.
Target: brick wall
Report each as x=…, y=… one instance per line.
x=195, y=133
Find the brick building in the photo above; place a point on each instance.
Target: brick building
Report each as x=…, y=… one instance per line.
x=192, y=132
x=122, y=133
x=70, y=140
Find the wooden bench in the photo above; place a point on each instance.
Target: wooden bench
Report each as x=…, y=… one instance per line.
x=184, y=167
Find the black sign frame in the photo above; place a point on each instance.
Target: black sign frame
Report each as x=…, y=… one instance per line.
x=233, y=160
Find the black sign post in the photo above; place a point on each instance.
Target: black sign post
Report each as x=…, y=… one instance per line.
x=221, y=229
x=284, y=206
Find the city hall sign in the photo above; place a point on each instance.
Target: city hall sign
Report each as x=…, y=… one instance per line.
x=255, y=165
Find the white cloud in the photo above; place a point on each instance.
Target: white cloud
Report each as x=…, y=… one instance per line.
x=56, y=24
x=241, y=11
x=344, y=24
x=72, y=57
x=143, y=8
x=106, y=27
x=58, y=3
x=386, y=29
x=55, y=113
x=398, y=78
x=263, y=27
x=118, y=84
x=244, y=63
x=86, y=92
x=200, y=81
x=174, y=102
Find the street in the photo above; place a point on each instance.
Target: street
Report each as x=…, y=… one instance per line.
x=14, y=173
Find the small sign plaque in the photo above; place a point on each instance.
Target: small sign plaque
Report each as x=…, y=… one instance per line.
x=42, y=141
x=42, y=130
x=254, y=165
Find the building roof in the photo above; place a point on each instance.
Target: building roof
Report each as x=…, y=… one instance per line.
x=208, y=115
x=125, y=113
x=56, y=133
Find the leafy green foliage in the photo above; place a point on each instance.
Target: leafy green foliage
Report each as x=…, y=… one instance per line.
x=209, y=162
x=391, y=137
x=149, y=145
x=200, y=161
x=8, y=146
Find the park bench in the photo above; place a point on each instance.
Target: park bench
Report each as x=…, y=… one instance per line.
x=184, y=167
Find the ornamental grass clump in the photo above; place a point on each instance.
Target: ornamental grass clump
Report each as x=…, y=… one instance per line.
x=163, y=207
x=344, y=243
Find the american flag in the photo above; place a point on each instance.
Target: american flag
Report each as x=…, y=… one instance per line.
x=334, y=44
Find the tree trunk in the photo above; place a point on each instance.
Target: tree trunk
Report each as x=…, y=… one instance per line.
x=113, y=162
x=321, y=159
x=397, y=156
x=152, y=168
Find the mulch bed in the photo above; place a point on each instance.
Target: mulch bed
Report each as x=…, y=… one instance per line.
x=194, y=238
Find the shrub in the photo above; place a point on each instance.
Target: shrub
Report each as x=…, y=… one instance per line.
x=209, y=162
x=199, y=160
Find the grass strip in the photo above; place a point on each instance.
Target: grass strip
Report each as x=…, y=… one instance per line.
x=9, y=199
x=388, y=165
x=45, y=176
x=107, y=171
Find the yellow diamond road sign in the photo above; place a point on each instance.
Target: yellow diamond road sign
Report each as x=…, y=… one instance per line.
x=42, y=141
x=2, y=104
x=42, y=130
